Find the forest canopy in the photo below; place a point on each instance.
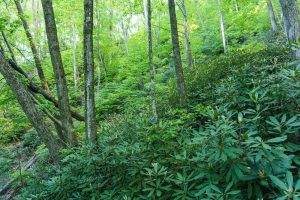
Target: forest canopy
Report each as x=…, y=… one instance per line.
x=149, y=99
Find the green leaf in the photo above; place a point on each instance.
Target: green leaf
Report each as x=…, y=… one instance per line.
x=283, y=119
x=297, y=186
x=240, y=117
x=215, y=188
x=291, y=120
x=266, y=146
x=289, y=177
x=278, y=183
x=228, y=187
x=277, y=140
x=258, y=156
x=234, y=192
x=296, y=124
x=282, y=198
x=275, y=121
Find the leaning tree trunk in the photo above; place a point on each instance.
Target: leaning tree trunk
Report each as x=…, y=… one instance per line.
x=59, y=74
x=272, y=16
x=189, y=57
x=9, y=47
x=176, y=52
x=148, y=13
x=90, y=114
x=290, y=14
x=222, y=26
x=31, y=110
x=34, y=50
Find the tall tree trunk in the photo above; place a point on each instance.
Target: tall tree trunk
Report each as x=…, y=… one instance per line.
x=125, y=37
x=74, y=54
x=35, y=11
x=31, y=110
x=176, y=52
x=279, y=18
x=90, y=114
x=99, y=55
x=222, y=25
x=157, y=34
x=145, y=4
x=148, y=13
x=111, y=15
x=59, y=73
x=32, y=46
x=237, y=7
x=199, y=14
x=290, y=14
x=189, y=57
x=272, y=16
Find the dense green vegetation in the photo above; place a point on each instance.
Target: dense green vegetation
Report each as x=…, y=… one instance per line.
x=237, y=137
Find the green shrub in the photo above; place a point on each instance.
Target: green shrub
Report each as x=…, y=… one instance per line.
x=238, y=140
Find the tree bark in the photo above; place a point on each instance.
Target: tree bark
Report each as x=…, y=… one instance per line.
x=222, y=26
x=2, y=49
x=35, y=10
x=74, y=55
x=290, y=14
x=90, y=114
x=189, y=57
x=31, y=110
x=148, y=13
x=272, y=16
x=99, y=55
x=176, y=52
x=34, y=50
x=59, y=74
x=36, y=89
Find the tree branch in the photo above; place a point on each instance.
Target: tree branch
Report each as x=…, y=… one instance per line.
x=36, y=89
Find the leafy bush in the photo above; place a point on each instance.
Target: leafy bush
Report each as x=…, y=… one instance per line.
x=239, y=140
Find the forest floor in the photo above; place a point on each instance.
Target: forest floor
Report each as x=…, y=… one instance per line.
x=12, y=158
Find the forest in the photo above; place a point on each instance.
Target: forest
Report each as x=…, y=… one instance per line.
x=149, y=99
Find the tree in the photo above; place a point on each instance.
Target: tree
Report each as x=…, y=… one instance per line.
x=31, y=110
x=189, y=57
x=90, y=114
x=237, y=7
x=100, y=56
x=148, y=14
x=125, y=34
x=290, y=14
x=176, y=52
x=272, y=16
x=199, y=14
x=34, y=50
x=74, y=54
x=9, y=47
x=222, y=25
x=59, y=74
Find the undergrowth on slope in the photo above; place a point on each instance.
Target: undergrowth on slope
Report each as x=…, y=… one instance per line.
x=239, y=139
